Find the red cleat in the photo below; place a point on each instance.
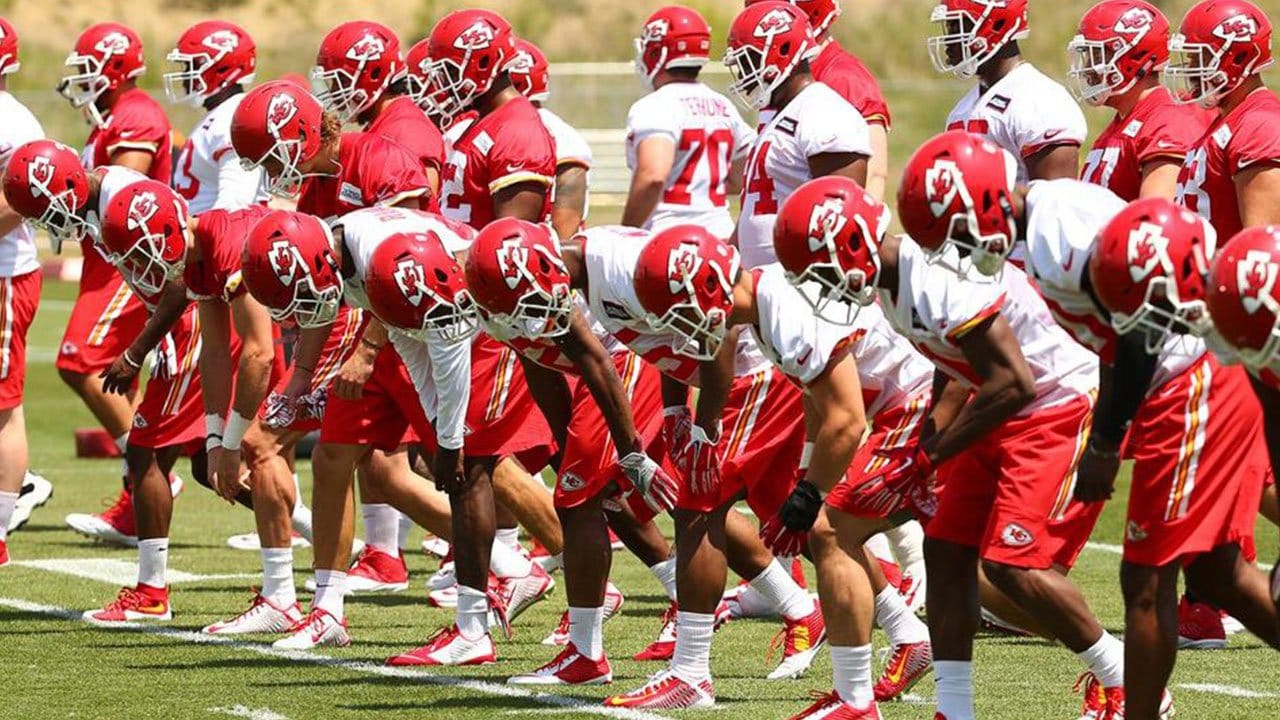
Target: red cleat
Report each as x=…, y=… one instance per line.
x=800, y=641
x=134, y=603
x=4, y=553
x=664, y=648
x=797, y=573
x=1200, y=627
x=113, y=525
x=1094, y=704
x=570, y=667
x=909, y=663
x=377, y=571
x=449, y=647
x=519, y=594
x=667, y=691
x=832, y=707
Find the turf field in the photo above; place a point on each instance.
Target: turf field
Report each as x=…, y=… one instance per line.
x=55, y=666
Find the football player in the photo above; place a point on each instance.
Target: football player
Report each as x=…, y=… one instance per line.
x=686, y=143
x=892, y=384
x=128, y=128
x=20, y=279
x=1020, y=108
x=813, y=132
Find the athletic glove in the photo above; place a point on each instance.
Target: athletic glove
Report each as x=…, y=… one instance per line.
x=787, y=532
x=281, y=411
x=658, y=489
x=698, y=461
x=676, y=422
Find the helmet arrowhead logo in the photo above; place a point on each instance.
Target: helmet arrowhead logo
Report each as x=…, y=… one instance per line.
x=368, y=47
x=223, y=41
x=411, y=278
x=513, y=261
x=1148, y=251
x=477, y=37
x=825, y=223
x=280, y=110
x=656, y=31
x=39, y=176
x=1255, y=279
x=682, y=265
x=1135, y=21
x=113, y=43
x=941, y=185
x=1237, y=28
x=142, y=208
x=285, y=261
x=774, y=22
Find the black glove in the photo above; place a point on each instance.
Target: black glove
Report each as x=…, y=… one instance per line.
x=800, y=511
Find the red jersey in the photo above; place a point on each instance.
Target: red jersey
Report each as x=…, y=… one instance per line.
x=135, y=122
x=372, y=170
x=1243, y=139
x=1157, y=128
x=219, y=241
x=404, y=122
x=843, y=72
x=501, y=149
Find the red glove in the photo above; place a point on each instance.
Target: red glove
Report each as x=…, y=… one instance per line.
x=899, y=471
x=676, y=422
x=698, y=461
x=782, y=541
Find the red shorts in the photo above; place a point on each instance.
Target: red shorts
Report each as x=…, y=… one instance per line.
x=172, y=408
x=502, y=417
x=1009, y=492
x=589, y=463
x=761, y=440
x=388, y=414
x=342, y=342
x=19, y=297
x=892, y=428
x=1199, y=465
x=105, y=319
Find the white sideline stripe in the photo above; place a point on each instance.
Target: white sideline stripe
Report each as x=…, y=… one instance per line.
x=118, y=572
x=1119, y=550
x=241, y=711
x=1228, y=690
x=366, y=668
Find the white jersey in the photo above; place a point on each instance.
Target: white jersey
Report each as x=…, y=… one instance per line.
x=17, y=127
x=802, y=344
x=610, y=253
x=709, y=135
x=440, y=373
x=1024, y=112
x=114, y=178
x=1064, y=218
x=816, y=121
x=208, y=172
x=933, y=308
x=571, y=148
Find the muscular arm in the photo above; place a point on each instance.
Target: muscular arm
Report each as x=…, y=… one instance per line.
x=257, y=350
x=570, y=202
x=733, y=181
x=1258, y=192
x=716, y=376
x=173, y=302
x=1122, y=386
x=582, y=347
x=1052, y=163
x=674, y=392
x=878, y=165
x=307, y=354
x=949, y=396
x=522, y=200
x=654, y=158
x=850, y=165
x=139, y=160
x=551, y=392
x=1160, y=178
x=1007, y=386
x=215, y=357
x=834, y=422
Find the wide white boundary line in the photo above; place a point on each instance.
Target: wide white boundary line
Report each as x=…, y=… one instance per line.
x=1228, y=690
x=365, y=668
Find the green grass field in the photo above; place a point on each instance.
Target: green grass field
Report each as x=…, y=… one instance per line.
x=56, y=666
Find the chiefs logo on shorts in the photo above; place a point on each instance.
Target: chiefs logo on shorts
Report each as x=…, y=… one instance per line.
x=1237, y=28
x=280, y=111
x=1148, y=250
x=369, y=47
x=773, y=23
x=1014, y=535
x=942, y=183
x=477, y=37
x=571, y=483
x=1255, y=278
x=825, y=223
x=1133, y=532
x=114, y=43
x=224, y=41
x=411, y=278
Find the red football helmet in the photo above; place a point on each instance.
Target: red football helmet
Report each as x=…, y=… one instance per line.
x=357, y=62
x=144, y=234
x=766, y=43
x=973, y=31
x=517, y=277
x=210, y=57
x=45, y=183
x=822, y=14
x=1221, y=44
x=289, y=267
x=530, y=71
x=415, y=284
x=957, y=189
x=417, y=71
x=684, y=279
x=1244, y=298
x=1149, y=267
x=469, y=49
x=1119, y=42
x=8, y=48
x=277, y=127
x=674, y=36
x=104, y=57
x=827, y=238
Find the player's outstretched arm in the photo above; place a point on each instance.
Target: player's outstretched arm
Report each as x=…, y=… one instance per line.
x=835, y=420
x=1122, y=386
x=551, y=392
x=570, y=201
x=596, y=365
x=173, y=302
x=654, y=158
x=257, y=351
x=215, y=368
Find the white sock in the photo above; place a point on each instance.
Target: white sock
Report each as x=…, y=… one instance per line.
x=381, y=526
x=297, y=492
x=776, y=584
x=472, y=615
x=402, y=532
x=301, y=520
x=8, y=500
x=331, y=589
x=585, y=631
x=692, y=660
x=665, y=572
x=954, y=688
x=509, y=537
x=907, y=542
x=1106, y=659
x=851, y=670
x=507, y=563
x=153, y=560
x=898, y=622
x=879, y=546
x=122, y=442
x=277, y=576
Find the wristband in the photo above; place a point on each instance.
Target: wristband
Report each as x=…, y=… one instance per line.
x=237, y=426
x=806, y=455
x=1108, y=454
x=214, y=425
x=212, y=441
x=675, y=410
x=130, y=361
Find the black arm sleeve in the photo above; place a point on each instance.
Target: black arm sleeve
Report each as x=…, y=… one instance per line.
x=1130, y=377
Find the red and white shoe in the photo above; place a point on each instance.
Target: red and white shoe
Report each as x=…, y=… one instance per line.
x=377, y=571
x=667, y=691
x=449, y=647
x=114, y=525
x=132, y=604
x=542, y=557
x=263, y=616
x=909, y=663
x=570, y=667
x=1200, y=627
x=801, y=640
x=436, y=547
x=519, y=594
x=4, y=553
x=612, y=604
x=1094, y=704
x=1113, y=705
x=318, y=628
x=832, y=707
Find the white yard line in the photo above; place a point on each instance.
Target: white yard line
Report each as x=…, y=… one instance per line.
x=1228, y=690
x=240, y=711
x=118, y=572
x=364, y=668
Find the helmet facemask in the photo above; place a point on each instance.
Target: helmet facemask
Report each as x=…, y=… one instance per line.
x=144, y=264
x=539, y=314
x=311, y=307
x=286, y=183
x=699, y=334
x=1194, y=73
x=62, y=221
x=754, y=81
x=338, y=91
x=1094, y=76
x=85, y=85
x=451, y=92
x=450, y=321
x=1163, y=314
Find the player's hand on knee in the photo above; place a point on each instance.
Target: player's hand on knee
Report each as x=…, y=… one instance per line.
x=654, y=484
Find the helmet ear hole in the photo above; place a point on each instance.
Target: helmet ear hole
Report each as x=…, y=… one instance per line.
x=785, y=49
x=441, y=277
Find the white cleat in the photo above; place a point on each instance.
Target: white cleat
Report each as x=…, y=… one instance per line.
x=445, y=577
x=252, y=543
x=318, y=628
x=519, y=594
x=35, y=492
x=612, y=604
x=449, y=647
x=435, y=547
x=263, y=616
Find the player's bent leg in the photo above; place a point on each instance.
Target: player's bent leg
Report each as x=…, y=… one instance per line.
x=1004, y=615
x=1229, y=582
x=953, y=621
x=1150, y=635
x=1049, y=597
x=527, y=498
